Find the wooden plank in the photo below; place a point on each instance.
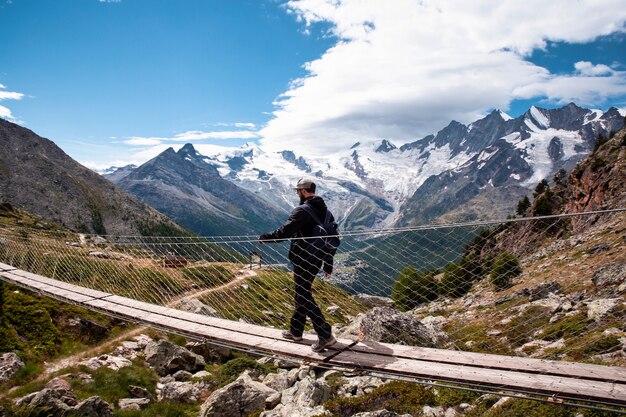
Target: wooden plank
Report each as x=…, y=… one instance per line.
x=562, y=386
x=5, y=267
x=45, y=288
x=485, y=360
x=61, y=284
x=532, y=365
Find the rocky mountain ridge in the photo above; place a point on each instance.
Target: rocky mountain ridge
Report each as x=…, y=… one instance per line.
x=37, y=176
x=183, y=186
x=377, y=184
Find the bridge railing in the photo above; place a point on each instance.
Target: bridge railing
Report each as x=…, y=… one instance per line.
x=549, y=287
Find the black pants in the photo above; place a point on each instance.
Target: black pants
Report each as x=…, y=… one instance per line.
x=305, y=303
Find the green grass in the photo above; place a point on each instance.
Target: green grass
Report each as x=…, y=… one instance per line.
x=209, y=275
x=523, y=327
x=451, y=397
x=567, y=327
x=112, y=385
x=476, y=333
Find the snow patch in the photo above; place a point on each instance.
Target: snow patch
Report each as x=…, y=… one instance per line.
x=539, y=117
x=505, y=116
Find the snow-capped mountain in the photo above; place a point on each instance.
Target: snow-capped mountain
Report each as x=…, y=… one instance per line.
x=186, y=188
x=378, y=184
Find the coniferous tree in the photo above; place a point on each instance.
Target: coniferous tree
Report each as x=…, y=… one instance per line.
x=541, y=188
x=523, y=205
x=560, y=176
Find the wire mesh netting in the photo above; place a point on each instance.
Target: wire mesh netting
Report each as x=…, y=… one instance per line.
x=549, y=287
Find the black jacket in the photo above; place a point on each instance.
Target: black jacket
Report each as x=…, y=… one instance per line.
x=301, y=224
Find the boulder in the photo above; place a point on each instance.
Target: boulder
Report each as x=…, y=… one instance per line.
x=307, y=393
x=237, y=399
x=542, y=291
x=435, y=325
x=133, y=403
x=89, y=327
x=167, y=358
x=598, y=309
x=281, y=380
x=201, y=375
x=609, y=278
x=182, y=375
x=54, y=401
x=110, y=361
x=304, y=399
x=182, y=392
x=139, y=392
x=387, y=325
x=210, y=352
x=193, y=305
x=552, y=302
x=333, y=310
x=10, y=363
x=282, y=411
x=359, y=385
x=93, y=407
x=59, y=384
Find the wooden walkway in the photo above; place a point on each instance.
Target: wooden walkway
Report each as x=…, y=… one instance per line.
x=560, y=380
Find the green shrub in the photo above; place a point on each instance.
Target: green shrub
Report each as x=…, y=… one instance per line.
x=458, y=278
x=527, y=408
x=505, y=267
x=451, y=397
x=234, y=367
x=31, y=320
x=396, y=396
x=413, y=288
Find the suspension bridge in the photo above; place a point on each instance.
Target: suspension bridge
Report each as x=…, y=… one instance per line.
x=128, y=280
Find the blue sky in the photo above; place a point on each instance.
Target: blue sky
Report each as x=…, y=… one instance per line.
x=113, y=82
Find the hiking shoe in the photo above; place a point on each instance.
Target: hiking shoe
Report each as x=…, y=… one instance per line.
x=322, y=344
x=288, y=335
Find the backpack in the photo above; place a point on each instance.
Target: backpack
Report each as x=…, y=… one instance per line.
x=325, y=241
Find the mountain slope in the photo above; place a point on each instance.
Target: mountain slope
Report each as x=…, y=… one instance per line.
x=37, y=176
x=188, y=189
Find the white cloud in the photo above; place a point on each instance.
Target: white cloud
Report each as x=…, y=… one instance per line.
x=191, y=135
x=588, y=69
x=404, y=69
x=199, y=135
x=141, y=141
x=5, y=112
x=245, y=125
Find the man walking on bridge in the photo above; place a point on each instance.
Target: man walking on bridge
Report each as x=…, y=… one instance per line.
x=302, y=223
